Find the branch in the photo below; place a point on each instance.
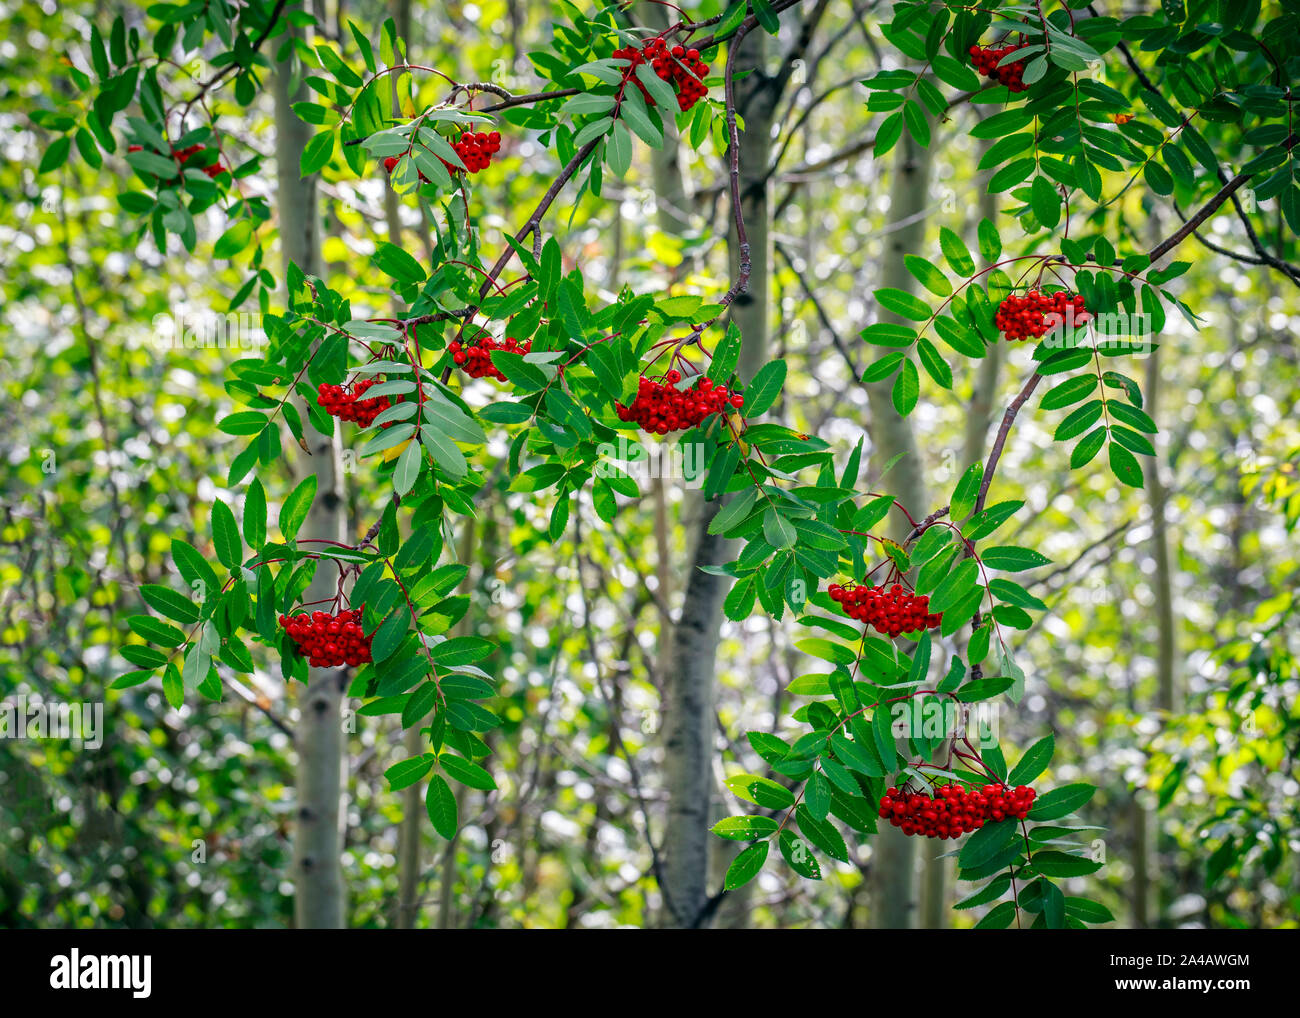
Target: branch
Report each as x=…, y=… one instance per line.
x=995, y=453
x=1209, y=208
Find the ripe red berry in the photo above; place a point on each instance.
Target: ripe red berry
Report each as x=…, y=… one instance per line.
x=661, y=407
x=890, y=610
x=1022, y=317
x=680, y=67
x=953, y=810
x=329, y=641
x=476, y=356
x=986, y=62
x=347, y=405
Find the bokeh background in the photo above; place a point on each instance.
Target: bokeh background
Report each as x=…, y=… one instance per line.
x=1165, y=664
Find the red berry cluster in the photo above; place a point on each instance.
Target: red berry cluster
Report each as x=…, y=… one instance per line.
x=329, y=641
x=954, y=810
x=475, y=149
x=182, y=155
x=660, y=407
x=986, y=62
x=476, y=357
x=892, y=610
x=679, y=66
x=1022, y=317
x=349, y=406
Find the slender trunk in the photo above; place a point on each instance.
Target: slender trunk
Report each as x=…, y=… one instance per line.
x=1146, y=910
x=689, y=707
x=937, y=878
x=317, y=867
x=893, y=871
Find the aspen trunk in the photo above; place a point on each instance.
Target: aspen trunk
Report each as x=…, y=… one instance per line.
x=893, y=870
x=318, y=843
x=689, y=707
x=1146, y=911
x=937, y=881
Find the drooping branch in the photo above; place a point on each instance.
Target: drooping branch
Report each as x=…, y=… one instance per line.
x=1209, y=208
x=1000, y=441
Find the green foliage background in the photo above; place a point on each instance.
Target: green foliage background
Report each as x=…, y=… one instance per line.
x=110, y=449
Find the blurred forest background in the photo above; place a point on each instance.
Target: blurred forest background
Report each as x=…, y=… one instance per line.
x=1165, y=666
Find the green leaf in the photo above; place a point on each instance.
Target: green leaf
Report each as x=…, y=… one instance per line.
x=883, y=368
x=928, y=275
x=55, y=155
x=917, y=125
x=763, y=390
x=407, y=772
x=734, y=511
x=746, y=866
x=1070, y=391
x=167, y=602
x=1045, y=201
x=233, y=240
x=955, y=252
x=935, y=366
x=990, y=244
x=966, y=493
x=821, y=833
x=194, y=568
x=797, y=853
x=1088, y=911
x=907, y=389
x=154, y=631
x=1087, y=448
x=779, y=531
x=297, y=505
x=618, y=149
x=444, y=452
x=768, y=19
x=255, y=515
x=461, y=650
x=984, y=689
x=225, y=535
x=407, y=469
x=988, y=843
x=317, y=153
x=1125, y=466
x=1062, y=864
x=441, y=805
x=745, y=828
x=1034, y=762
x=1060, y=802
x=467, y=772
x=887, y=135
x=725, y=355
x=1013, y=559
x=999, y=917
x=889, y=334
x=956, y=586
x=900, y=302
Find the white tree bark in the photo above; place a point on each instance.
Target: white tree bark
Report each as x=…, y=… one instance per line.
x=893, y=865
x=318, y=842
x=689, y=721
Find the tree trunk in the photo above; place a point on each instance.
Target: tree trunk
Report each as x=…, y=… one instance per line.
x=935, y=910
x=318, y=843
x=893, y=871
x=1146, y=911
x=689, y=707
